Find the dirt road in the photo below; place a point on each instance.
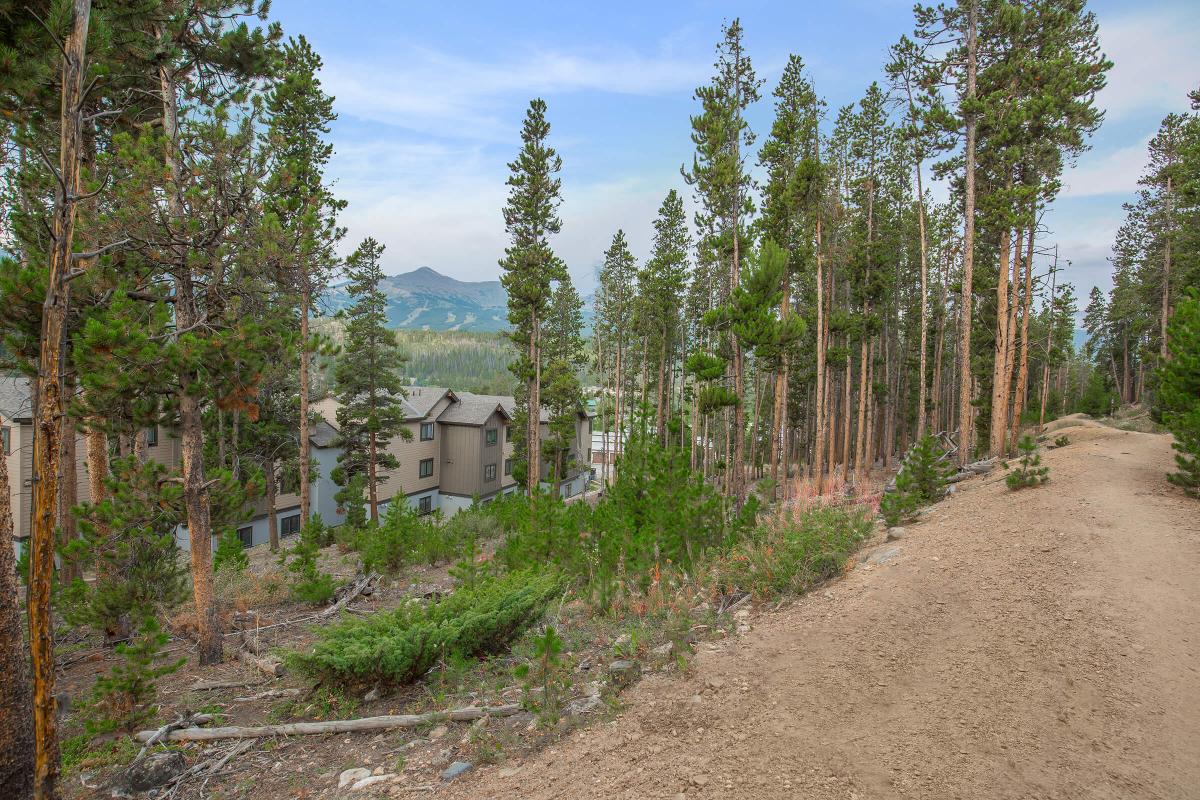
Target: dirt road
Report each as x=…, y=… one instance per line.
x=1039, y=644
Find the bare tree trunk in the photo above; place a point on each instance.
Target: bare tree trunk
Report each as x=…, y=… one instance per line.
x=780, y=412
x=305, y=392
x=846, y=455
x=16, y=702
x=191, y=429
x=1010, y=355
x=534, y=448
x=921, y=368
x=661, y=405
x=1164, y=352
x=967, y=299
x=860, y=438
x=49, y=408
x=68, y=491
x=617, y=410
x=372, y=489
x=999, y=424
x=1023, y=371
x=819, y=437
x=1049, y=345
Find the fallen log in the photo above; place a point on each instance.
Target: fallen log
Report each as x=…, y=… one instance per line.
x=962, y=476
x=269, y=694
x=268, y=665
x=335, y=726
x=208, y=686
x=354, y=591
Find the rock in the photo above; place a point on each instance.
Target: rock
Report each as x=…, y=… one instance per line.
x=584, y=705
x=883, y=555
x=951, y=489
x=743, y=628
x=624, y=672
x=624, y=640
x=151, y=772
x=438, y=732
x=742, y=613
x=377, y=771
x=895, y=533
x=372, y=696
x=982, y=467
x=352, y=775
x=509, y=772
x=454, y=770
x=715, y=684
x=699, y=780
x=371, y=781
x=664, y=650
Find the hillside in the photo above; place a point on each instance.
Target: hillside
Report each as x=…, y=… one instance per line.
x=425, y=299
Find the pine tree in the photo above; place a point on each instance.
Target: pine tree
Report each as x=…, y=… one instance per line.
x=1178, y=398
x=564, y=355
x=530, y=268
x=616, y=299
x=723, y=186
x=367, y=381
x=306, y=210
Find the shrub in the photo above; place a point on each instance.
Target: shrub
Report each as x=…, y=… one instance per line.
x=230, y=554
x=792, y=553
x=400, y=646
x=545, y=683
x=309, y=584
x=124, y=699
x=921, y=480
x=1062, y=441
x=1178, y=396
x=1029, y=471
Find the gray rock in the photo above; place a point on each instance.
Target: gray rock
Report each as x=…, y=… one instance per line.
x=624, y=672
x=373, y=695
x=883, y=555
x=895, y=533
x=951, y=489
x=363, y=783
x=352, y=775
x=664, y=650
x=151, y=772
x=622, y=641
x=457, y=768
x=982, y=467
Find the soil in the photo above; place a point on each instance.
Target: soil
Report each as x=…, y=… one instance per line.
x=1032, y=644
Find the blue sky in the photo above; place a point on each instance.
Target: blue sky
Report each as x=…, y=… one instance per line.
x=431, y=98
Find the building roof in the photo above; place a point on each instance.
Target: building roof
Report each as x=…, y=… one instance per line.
x=323, y=434
x=422, y=399
x=15, y=398
x=476, y=409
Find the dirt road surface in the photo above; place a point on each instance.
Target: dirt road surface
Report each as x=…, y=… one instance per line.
x=1036, y=644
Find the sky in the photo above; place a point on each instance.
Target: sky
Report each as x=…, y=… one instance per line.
x=430, y=98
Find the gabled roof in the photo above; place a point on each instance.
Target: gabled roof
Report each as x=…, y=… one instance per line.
x=322, y=434
x=422, y=399
x=476, y=409
x=15, y=398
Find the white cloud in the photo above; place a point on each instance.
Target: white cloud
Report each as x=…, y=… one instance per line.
x=1156, y=60
x=422, y=89
x=1115, y=172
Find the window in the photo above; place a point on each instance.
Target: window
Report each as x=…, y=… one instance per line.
x=489, y=473
x=246, y=535
x=425, y=504
x=289, y=526
x=426, y=431
x=489, y=436
x=152, y=436
x=426, y=467
x=6, y=439
x=508, y=466
x=508, y=433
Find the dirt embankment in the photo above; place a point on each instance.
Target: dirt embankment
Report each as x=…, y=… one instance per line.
x=1044, y=643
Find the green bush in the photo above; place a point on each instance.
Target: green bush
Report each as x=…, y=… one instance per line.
x=230, y=554
x=400, y=646
x=1029, y=471
x=124, y=699
x=792, y=554
x=309, y=584
x=1178, y=396
x=920, y=481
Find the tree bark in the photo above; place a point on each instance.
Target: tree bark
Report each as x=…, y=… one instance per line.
x=1164, y=353
x=372, y=490
x=999, y=423
x=819, y=435
x=305, y=391
x=860, y=438
x=967, y=299
x=780, y=411
x=272, y=518
x=191, y=427
x=68, y=491
x=1023, y=370
x=16, y=701
x=49, y=408
x=1049, y=345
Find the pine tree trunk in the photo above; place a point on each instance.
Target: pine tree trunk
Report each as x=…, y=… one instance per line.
x=49, y=409
x=999, y=423
x=780, y=412
x=819, y=435
x=305, y=391
x=1164, y=352
x=16, y=702
x=860, y=439
x=1049, y=345
x=967, y=300
x=534, y=412
x=191, y=429
x=1010, y=355
x=660, y=410
x=1023, y=370
x=846, y=455
x=272, y=519
x=372, y=489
